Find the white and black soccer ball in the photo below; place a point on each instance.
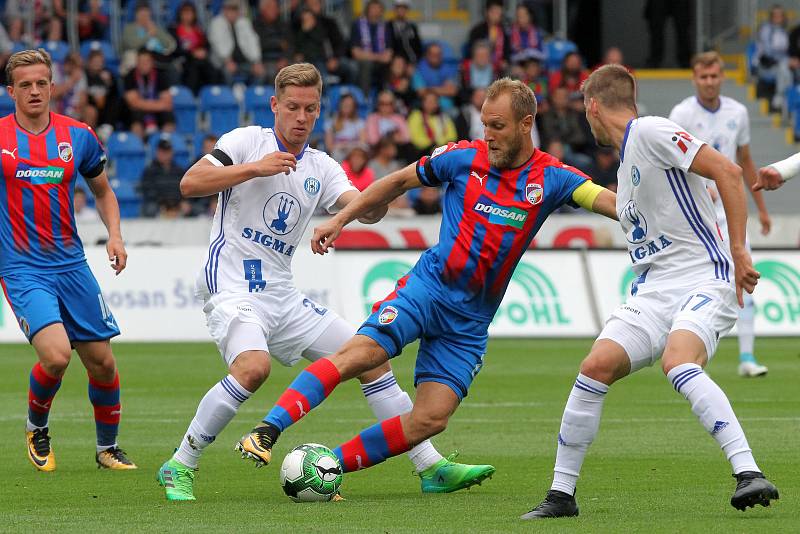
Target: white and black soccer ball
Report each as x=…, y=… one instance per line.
x=311, y=473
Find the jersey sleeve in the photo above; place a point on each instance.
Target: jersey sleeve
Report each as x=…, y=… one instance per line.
x=335, y=183
x=743, y=135
x=231, y=149
x=444, y=163
x=565, y=179
x=667, y=144
x=93, y=155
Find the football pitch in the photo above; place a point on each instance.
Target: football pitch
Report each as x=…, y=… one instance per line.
x=652, y=468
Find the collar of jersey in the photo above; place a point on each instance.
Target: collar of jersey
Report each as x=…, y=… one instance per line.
x=625, y=140
x=282, y=148
x=709, y=109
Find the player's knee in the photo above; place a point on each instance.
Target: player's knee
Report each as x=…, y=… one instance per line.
x=600, y=368
x=55, y=362
x=104, y=369
x=251, y=372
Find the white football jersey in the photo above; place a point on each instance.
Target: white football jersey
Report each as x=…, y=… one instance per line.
x=665, y=211
x=259, y=223
x=726, y=129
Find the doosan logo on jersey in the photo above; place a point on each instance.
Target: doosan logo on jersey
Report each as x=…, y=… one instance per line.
x=272, y=243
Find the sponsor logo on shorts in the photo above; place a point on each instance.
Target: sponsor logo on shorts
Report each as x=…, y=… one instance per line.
x=312, y=186
x=388, y=315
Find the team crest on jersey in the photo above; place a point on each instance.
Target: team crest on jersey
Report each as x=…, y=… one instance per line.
x=388, y=315
x=634, y=223
x=312, y=186
x=534, y=193
x=732, y=124
x=281, y=213
x=636, y=178
x=65, y=152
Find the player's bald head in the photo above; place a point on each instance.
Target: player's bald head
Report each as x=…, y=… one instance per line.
x=612, y=86
x=298, y=75
x=523, y=101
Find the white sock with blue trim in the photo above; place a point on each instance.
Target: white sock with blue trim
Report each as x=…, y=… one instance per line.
x=715, y=413
x=579, y=426
x=387, y=400
x=746, y=329
x=214, y=413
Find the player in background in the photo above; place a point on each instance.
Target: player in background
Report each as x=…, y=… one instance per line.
x=724, y=124
x=43, y=271
x=270, y=182
x=776, y=174
x=684, y=296
x=498, y=194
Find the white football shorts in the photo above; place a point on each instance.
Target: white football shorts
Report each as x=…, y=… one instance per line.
x=290, y=322
x=644, y=322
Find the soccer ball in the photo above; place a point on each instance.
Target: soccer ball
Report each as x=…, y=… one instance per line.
x=310, y=473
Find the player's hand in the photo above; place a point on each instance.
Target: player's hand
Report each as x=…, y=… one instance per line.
x=116, y=254
x=746, y=276
x=275, y=163
x=324, y=236
x=769, y=179
x=766, y=222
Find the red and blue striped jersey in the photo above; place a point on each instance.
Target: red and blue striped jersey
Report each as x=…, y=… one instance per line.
x=37, y=221
x=489, y=218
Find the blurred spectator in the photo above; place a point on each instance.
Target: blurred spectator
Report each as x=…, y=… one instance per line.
x=92, y=21
x=371, y=45
x=405, y=34
x=235, y=47
x=656, y=12
x=525, y=35
x=275, y=37
x=386, y=121
x=83, y=213
x=772, y=51
x=429, y=126
x=40, y=14
x=161, y=194
x=468, y=123
x=311, y=41
x=477, y=72
x=5, y=51
x=336, y=72
x=385, y=161
x=192, y=50
x=528, y=68
x=493, y=30
x=563, y=123
x=434, y=75
x=571, y=75
x=345, y=129
x=399, y=82
x=143, y=32
x=603, y=169
x=333, y=34
x=426, y=200
x=613, y=56
x=102, y=90
x=147, y=97
x=69, y=93
x=355, y=167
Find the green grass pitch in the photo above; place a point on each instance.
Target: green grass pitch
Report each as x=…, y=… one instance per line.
x=652, y=468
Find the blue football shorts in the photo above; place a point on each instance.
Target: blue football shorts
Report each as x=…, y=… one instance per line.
x=452, y=346
x=72, y=298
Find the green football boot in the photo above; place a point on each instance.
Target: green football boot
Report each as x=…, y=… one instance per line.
x=446, y=476
x=177, y=479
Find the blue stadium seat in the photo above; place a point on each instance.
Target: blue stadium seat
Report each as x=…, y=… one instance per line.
x=335, y=93
x=556, y=49
x=257, y=104
x=128, y=197
x=6, y=103
x=221, y=108
x=58, y=50
x=112, y=61
x=185, y=109
x=127, y=155
x=179, y=147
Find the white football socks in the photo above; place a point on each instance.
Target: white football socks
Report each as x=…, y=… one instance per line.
x=387, y=400
x=579, y=426
x=745, y=326
x=714, y=411
x=214, y=413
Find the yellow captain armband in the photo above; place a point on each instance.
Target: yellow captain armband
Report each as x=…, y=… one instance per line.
x=586, y=193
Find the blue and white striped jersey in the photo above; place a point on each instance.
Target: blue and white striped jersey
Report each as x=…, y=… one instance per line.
x=665, y=210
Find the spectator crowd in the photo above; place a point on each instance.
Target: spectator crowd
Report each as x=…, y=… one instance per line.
x=389, y=95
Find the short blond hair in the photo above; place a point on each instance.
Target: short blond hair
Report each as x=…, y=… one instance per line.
x=25, y=58
x=611, y=85
x=298, y=75
x=523, y=100
x=707, y=59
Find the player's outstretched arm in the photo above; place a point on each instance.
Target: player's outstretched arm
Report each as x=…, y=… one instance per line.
x=108, y=209
x=204, y=178
x=749, y=170
x=378, y=195
x=728, y=177
x=775, y=175
x=371, y=217
x=596, y=198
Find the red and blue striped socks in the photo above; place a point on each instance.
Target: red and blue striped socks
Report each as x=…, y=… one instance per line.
x=309, y=389
x=373, y=445
x=105, y=399
x=43, y=388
